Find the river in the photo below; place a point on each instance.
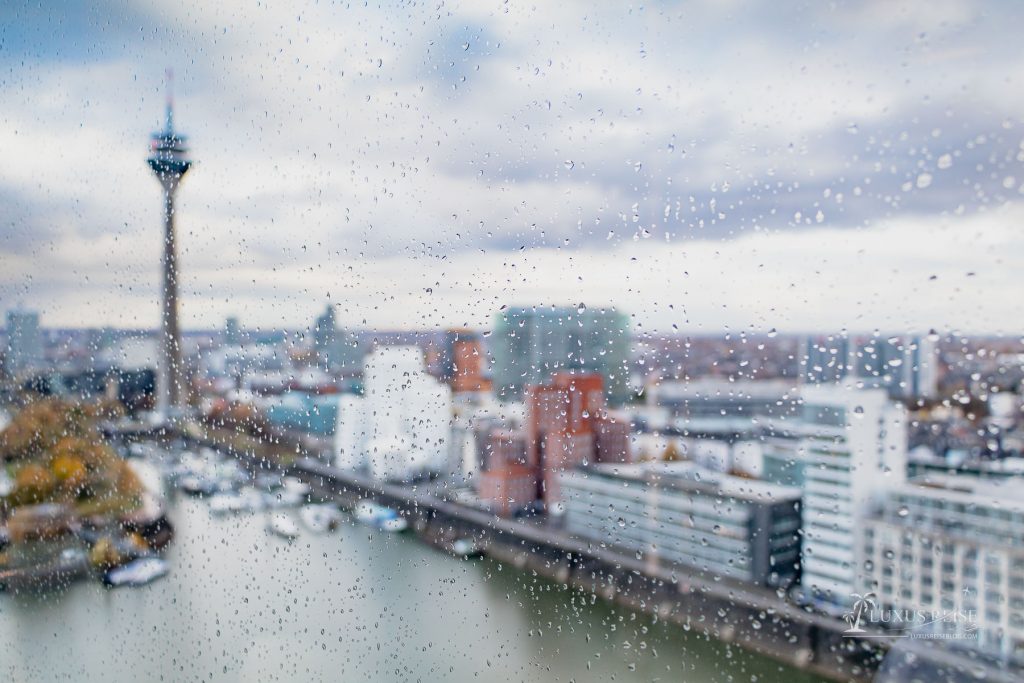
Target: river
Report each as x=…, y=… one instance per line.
x=353, y=605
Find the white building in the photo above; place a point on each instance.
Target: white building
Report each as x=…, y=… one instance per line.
x=953, y=544
x=854, y=449
x=399, y=428
x=132, y=354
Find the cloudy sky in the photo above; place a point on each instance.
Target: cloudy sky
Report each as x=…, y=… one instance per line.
x=701, y=165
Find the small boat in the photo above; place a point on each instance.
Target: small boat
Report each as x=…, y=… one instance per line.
x=379, y=516
x=225, y=503
x=136, y=573
x=197, y=485
x=268, y=482
x=295, y=486
x=246, y=500
x=394, y=525
x=466, y=547
x=320, y=518
x=283, y=526
x=283, y=498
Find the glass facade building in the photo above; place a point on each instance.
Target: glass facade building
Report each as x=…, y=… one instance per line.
x=531, y=344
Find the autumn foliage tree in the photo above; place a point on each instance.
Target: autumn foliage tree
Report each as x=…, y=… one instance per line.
x=57, y=455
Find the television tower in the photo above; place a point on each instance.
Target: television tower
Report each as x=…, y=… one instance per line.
x=170, y=160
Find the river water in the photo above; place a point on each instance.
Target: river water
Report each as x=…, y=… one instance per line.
x=353, y=605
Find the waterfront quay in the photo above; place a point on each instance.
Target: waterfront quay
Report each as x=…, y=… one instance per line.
x=753, y=618
x=749, y=617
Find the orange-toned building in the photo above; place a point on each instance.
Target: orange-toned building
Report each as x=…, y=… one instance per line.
x=462, y=359
x=508, y=484
x=560, y=433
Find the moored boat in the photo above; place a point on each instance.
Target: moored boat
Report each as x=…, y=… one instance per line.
x=466, y=547
x=380, y=516
x=283, y=526
x=320, y=518
x=137, y=572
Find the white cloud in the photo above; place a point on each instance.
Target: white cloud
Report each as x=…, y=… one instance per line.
x=379, y=153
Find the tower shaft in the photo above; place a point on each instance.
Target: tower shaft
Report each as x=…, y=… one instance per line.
x=170, y=386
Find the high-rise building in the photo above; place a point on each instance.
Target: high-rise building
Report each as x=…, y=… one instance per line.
x=906, y=366
x=462, y=361
x=508, y=483
x=170, y=161
x=24, y=342
x=952, y=545
x=531, y=344
x=232, y=332
x=325, y=335
x=399, y=429
x=334, y=348
x=826, y=358
x=854, y=449
x=679, y=513
x=920, y=375
x=567, y=425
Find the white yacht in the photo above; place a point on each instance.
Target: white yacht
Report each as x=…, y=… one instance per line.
x=320, y=518
x=136, y=573
x=379, y=516
x=282, y=525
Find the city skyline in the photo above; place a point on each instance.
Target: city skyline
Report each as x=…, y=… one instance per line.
x=512, y=341
x=842, y=194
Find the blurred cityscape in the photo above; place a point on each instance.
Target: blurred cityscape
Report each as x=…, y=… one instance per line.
x=847, y=503
x=815, y=468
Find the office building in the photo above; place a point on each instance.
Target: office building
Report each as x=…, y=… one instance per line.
x=679, y=513
x=508, y=483
x=232, y=332
x=334, y=349
x=906, y=366
x=561, y=427
x=854, y=448
x=529, y=345
x=24, y=342
x=462, y=362
x=952, y=545
x=826, y=359
x=398, y=429
x=715, y=398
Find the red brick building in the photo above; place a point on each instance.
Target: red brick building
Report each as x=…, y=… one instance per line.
x=566, y=425
x=560, y=426
x=509, y=483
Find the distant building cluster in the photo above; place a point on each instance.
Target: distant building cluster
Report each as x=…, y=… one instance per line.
x=822, y=468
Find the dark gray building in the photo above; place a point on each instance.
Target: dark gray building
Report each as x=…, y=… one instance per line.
x=679, y=513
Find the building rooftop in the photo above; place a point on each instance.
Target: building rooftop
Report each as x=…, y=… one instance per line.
x=692, y=478
x=1006, y=494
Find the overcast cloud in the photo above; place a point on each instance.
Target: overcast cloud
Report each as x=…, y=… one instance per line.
x=700, y=165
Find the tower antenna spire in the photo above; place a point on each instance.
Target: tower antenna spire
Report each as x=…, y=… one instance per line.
x=169, y=87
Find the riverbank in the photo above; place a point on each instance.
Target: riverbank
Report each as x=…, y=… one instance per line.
x=352, y=605
x=749, y=617
x=753, y=618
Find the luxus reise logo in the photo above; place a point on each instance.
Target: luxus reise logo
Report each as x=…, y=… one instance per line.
x=957, y=624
